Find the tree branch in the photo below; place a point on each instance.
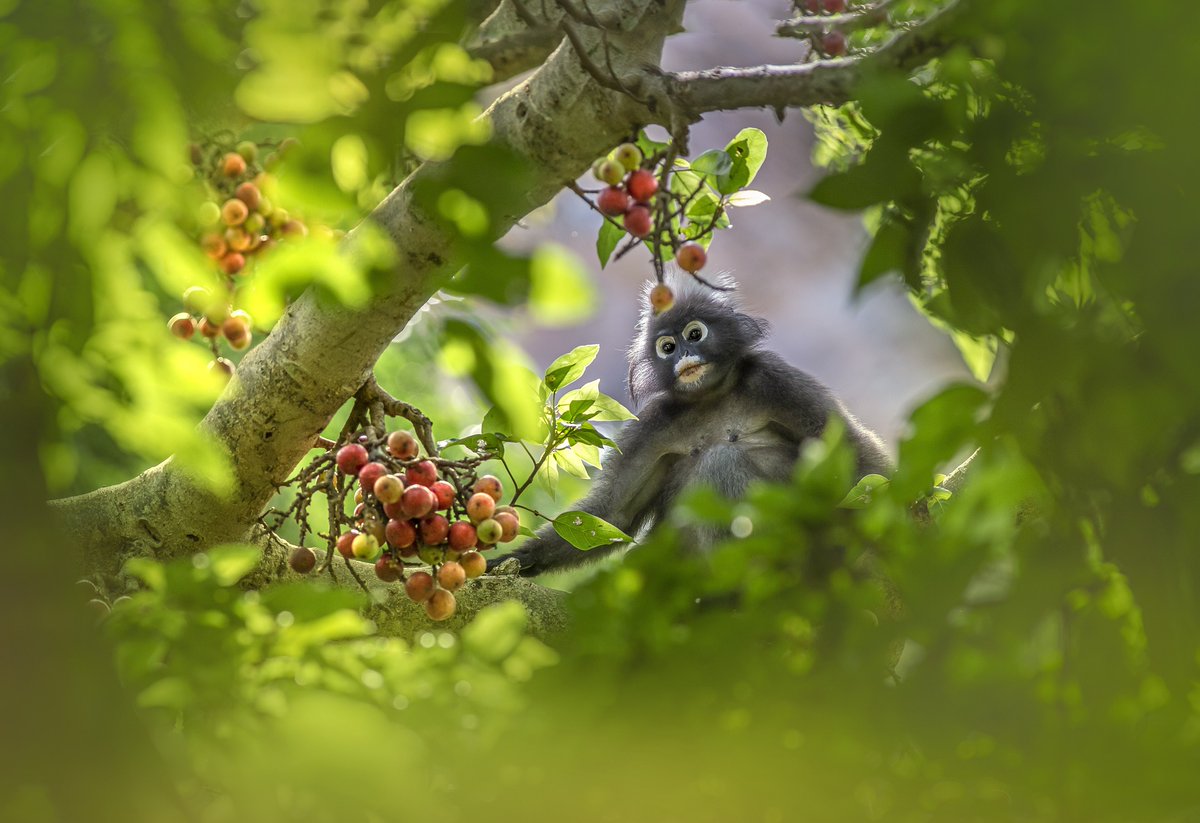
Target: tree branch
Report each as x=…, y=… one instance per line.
x=821, y=82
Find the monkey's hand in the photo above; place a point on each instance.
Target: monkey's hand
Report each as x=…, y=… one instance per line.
x=543, y=552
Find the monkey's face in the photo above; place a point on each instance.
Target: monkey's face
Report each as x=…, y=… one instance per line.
x=687, y=355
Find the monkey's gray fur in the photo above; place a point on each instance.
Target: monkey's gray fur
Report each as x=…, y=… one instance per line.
x=716, y=409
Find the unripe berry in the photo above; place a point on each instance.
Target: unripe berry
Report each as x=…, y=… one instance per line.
x=628, y=155
x=402, y=445
x=302, y=560
x=462, y=536
x=638, y=221
x=489, y=531
x=213, y=245
x=431, y=555
x=375, y=527
x=444, y=493
x=608, y=171
x=399, y=534
x=294, y=228
x=613, y=201
x=365, y=547
x=237, y=239
x=480, y=506
x=182, y=326
x=419, y=587
x=474, y=564
x=661, y=298
x=389, y=488
x=255, y=224
x=421, y=474
x=451, y=576
x=490, y=485
x=691, y=256
x=370, y=474
x=440, y=605
x=351, y=458
x=234, y=212
x=196, y=299
x=248, y=151
x=417, y=501
x=642, y=184
x=236, y=326
x=434, y=529
x=388, y=569
x=233, y=165
x=509, y=525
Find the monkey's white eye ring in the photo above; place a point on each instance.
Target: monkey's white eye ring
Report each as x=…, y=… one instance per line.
x=665, y=346
x=695, y=331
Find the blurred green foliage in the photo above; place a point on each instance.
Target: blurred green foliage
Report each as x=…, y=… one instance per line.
x=1027, y=652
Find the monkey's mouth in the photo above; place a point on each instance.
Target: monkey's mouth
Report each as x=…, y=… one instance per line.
x=691, y=370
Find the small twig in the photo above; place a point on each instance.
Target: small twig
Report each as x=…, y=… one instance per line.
x=858, y=19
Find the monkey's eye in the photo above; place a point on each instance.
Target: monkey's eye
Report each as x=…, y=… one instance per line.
x=665, y=346
x=695, y=331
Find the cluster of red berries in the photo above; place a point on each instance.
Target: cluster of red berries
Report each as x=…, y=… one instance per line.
x=831, y=42
x=214, y=318
x=630, y=194
x=418, y=515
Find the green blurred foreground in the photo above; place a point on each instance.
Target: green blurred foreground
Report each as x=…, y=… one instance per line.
x=1035, y=189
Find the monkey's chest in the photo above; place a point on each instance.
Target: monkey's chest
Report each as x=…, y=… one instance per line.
x=735, y=453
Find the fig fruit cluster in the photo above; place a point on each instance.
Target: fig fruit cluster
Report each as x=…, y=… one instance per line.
x=409, y=510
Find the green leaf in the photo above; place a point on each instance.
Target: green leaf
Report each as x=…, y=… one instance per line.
x=650, y=147
x=748, y=150
x=606, y=241
x=570, y=367
x=491, y=442
x=886, y=253
x=746, y=198
x=569, y=462
x=609, y=409
x=714, y=162
x=232, y=562
x=586, y=531
x=168, y=693
x=864, y=492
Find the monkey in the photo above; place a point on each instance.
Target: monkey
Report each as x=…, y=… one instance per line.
x=716, y=408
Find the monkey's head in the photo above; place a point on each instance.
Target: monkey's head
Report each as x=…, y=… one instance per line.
x=694, y=348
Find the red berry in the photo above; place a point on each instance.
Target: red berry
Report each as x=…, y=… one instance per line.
x=233, y=165
x=812, y=6
x=351, y=458
x=489, y=531
x=182, y=326
x=208, y=328
x=370, y=474
x=509, y=525
x=481, y=506
x=302, y=560
x=440, y=605
x=417, y=501
x=388, y=569
x=833, y=43
x=462, y=536
x=490, y=485
x=434, y=529
x=445, y=494
x=233, y=263
x=642, y=184
x=237, y=239
x=419, y=586
x=451, y=576
x=388, y=489
x=613, y=201
x=394, y=510
x=213, y=245
x=474, y=564
x=234, y=212
x=421, y=474
x=638, y=221
x=691, y=256
x=834, y=6
x=399, y=534
x=661, y=298
x=236, y=325
x=249, y=194
x=402, y=445
x=345, y=542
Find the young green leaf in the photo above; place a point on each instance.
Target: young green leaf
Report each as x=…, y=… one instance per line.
x=607, y=240
x=570, y=367
x=746, y=198
x=586, y=531
x=714, y=162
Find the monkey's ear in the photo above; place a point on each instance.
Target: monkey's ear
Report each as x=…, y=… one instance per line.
x=754, y=329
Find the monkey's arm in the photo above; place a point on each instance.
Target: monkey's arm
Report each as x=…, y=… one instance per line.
x=624, y=492
x=802, y=405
